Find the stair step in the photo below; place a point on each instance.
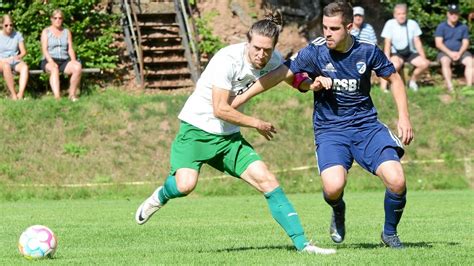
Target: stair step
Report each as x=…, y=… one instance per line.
x=171, y=59
x=163, y=53
x=169, y=77
x=162, y=48
x=160, y=36
x=156, y=7
x=169, y=85
x=172, y=71
x=161, y=31
x=161, y=18
x=157, y=25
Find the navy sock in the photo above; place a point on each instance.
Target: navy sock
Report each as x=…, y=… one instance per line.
x=393, y=205
x=338, y=205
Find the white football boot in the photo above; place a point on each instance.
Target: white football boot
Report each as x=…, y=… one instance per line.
x=312, y=249
x=151, y=205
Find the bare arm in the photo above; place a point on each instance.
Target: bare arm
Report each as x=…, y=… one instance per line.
x=405, y=130
x=419, y=46
x=44, y=46
x=21, y=47
x=266, y=82
x=70, y=50
x=387, y=47
x=440, y=45
x=464, y=46
x=222, y=110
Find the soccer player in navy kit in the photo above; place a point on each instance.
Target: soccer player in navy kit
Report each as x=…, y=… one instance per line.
x=338, y=68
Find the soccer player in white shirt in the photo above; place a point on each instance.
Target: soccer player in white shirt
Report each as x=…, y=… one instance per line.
x=210, y=131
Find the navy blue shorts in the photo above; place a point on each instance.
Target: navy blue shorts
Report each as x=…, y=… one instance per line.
x=369, y=145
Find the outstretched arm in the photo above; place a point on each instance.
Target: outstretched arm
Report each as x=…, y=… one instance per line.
x=266, y=82
x=222, y=110
x=405, y=131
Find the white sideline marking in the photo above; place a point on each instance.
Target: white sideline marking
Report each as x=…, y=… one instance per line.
x=467, y=164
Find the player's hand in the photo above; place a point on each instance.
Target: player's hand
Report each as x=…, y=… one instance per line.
x=266, y=129
x=325, y=82
x=405, y=131
x=316, y=85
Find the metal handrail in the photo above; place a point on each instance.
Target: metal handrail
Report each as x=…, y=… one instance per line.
x=135, y=49
x=188, y=39
x=139, y=46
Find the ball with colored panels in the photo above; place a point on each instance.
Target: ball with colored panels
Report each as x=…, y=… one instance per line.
x=37, y=241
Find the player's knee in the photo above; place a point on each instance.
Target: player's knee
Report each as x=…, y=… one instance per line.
x=266, y=182
x=332, y=192
x=397, y=186
x=186, y=185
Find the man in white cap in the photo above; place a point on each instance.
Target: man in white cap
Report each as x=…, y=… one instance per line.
x=360, y=29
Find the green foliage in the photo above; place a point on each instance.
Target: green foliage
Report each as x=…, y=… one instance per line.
x=429, y=14
x=92, y=30
x=209, y=43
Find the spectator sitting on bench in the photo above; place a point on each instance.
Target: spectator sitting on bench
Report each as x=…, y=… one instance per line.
x=59, y=56
x=360, y=28
x=403, y=44
x=452, y=40
x=12, y=50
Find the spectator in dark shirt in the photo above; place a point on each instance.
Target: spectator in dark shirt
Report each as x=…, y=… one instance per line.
x=452, y=40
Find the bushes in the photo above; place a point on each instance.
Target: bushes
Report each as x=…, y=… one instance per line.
x=92, y=30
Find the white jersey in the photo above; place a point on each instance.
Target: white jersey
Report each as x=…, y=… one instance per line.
x=229, y=69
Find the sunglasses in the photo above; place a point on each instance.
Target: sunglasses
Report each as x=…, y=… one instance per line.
x=57, y=18
x=8, y=25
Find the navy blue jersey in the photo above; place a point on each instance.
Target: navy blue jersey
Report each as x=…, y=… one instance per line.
x=348, y=102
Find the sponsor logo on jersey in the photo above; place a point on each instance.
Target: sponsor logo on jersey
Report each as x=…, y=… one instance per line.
x=347, y=85
x=329, y=68
x=361, y=67
x=239, y=92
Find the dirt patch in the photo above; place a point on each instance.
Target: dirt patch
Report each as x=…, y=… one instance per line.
x=231, y=25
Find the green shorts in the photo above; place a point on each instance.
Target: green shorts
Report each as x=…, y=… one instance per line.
x=192, y=147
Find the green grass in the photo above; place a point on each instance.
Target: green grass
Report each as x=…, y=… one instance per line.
x=113, y=137
x=437, y=229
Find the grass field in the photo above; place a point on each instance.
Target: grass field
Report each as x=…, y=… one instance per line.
x=437, y=228
x=112, y=137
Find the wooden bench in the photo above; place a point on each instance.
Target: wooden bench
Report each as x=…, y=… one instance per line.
x=84, y=70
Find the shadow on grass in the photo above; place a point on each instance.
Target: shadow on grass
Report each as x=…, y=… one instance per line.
x=237, y=249
x=406, y=244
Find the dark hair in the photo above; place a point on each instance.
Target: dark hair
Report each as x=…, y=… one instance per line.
x=342, y=8
x=270, y=26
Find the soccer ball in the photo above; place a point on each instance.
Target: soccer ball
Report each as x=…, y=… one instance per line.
x=37, y=241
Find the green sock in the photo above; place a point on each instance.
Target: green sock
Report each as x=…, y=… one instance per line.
x=284, y=213
x=169, y=191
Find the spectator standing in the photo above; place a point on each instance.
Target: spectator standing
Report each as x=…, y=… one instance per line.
x=12, y=50
x=452, y=40
x=361, y=29
x=59, y=56
x=403, y=44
